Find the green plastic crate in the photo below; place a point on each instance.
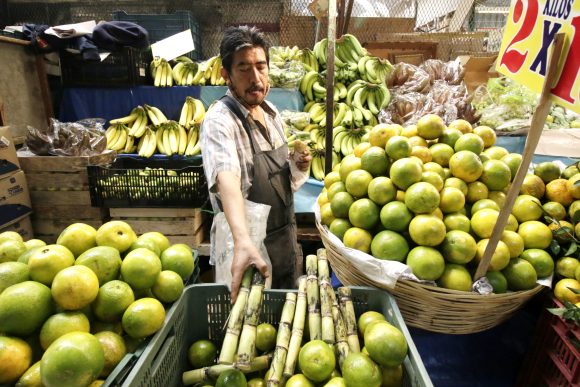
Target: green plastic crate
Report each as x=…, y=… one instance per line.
x=202, y=312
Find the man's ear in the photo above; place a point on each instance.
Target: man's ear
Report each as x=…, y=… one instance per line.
x=225, y=75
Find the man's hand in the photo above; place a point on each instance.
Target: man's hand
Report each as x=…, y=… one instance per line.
x=301, y=155
x=245, y=255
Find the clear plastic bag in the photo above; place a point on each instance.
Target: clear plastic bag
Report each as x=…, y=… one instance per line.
x=222, y=249
x=406, y=78
x=288, y=76
x=81, y=138
x=451, y=72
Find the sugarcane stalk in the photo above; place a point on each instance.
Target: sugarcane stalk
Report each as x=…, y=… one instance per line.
x=282, y=341
x=341, y=345
x=211, y=373
x=313, y=297
x=327, y=324
x=247, y=346
x=236, y=318
x=297, y=329
x=347, y=309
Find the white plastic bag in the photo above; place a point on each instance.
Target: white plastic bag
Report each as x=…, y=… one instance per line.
x=222, y=249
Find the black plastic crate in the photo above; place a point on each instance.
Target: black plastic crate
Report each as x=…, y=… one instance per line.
x=148, y=183
x=160, y=26
x=127, y=67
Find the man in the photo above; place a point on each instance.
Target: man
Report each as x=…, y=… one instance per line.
x=245, y=156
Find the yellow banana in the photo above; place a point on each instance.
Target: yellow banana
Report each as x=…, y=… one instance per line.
x=159, y=140
x=182, y=140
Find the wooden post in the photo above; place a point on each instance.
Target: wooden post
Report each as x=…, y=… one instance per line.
x=538, y=120
x=330, y=83
x=347, y=17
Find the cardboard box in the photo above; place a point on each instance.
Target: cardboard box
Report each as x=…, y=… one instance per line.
x=23, y=226
x=14, y=198
x=559, y=142
x=8, y=158
x=478, y=69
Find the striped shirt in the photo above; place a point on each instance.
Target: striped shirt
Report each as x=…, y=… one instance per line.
x=225, y=145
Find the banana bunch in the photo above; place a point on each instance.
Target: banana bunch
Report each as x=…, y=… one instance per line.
x=374, y=96
x=136, y=121
x=209, y=72
x=344, y=140
x=311, y=88
x=161, y=73
x=147, y=144
x=319, y=160
x=118, y=139
x=346, y=73
x=193, y=146
x=192, y=113
x=309, y=60
x=171, y=138
x=280, y=55
x=155, y=115
x=342, y=114
x=184, y=71
x=349, y=49
x=319, y=50
x=373, y=69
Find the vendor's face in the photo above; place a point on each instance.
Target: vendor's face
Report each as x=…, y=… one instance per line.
x=248, y=78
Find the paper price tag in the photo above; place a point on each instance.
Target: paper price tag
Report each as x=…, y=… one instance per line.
x=173, y=46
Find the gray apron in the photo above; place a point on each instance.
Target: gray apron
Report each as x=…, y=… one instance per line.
x=271, y=185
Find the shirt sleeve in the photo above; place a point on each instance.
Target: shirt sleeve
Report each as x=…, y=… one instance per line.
x=218, y=145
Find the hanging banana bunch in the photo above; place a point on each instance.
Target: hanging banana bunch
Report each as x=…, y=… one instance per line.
x=161, y=72
x=192, y=112
x=184, y=71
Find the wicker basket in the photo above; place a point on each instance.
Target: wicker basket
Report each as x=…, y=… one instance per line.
x=432, y=308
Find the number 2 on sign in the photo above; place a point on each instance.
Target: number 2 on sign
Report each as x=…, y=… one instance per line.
x=512, y=58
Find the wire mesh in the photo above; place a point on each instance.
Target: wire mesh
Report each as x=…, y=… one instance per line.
x=455, y=26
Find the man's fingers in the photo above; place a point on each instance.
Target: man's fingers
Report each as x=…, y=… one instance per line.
x=262, y=267
x=236, y=281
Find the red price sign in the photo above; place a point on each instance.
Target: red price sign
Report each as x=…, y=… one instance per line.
x=529, y=32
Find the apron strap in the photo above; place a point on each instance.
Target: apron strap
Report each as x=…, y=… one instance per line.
x=234, y=108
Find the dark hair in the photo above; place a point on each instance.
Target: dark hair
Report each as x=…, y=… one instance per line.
x=236, y=38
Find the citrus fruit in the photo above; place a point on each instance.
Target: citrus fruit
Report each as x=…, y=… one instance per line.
x=24, y=257
x=547, y=171
x=357, y=183
x=500, y=257
x=455, y=277
x=366, y=318
x=359, y=370
x=462, y=125
x=380, y=134
x=47, y=261
x=483, y=222
x=374, y=162
x=24, y=307
x=527, y=207
x=434, y=167
x=430, y=126
x=487, y=134
x=497, y=281
x=168, y=286
x=113, y=298
x=10, y=236
x=363, y=213
x=422, y=198
x=326, y=215
x=570, y=171
x=144, y=243
x=335, y=381
x=178, y=258
x=265, y=337
x=417, y=141
x=104, y=261
x=520, y=274
x=422, y=153
x=114, y=350
x=398, y=147
x=409, y=131
x=441, y=154
x=11, y=249
x=322, y=198
x=433, y=178
x=514, y=242
x=573, y=211
x=567, y=266
x=427, y=230
x=75, y=287
x=405, y=172
x=495, y=152
x=334, y=189
x=117, y=234
x=78, y=238
x=389, y=245
x=513, y=161
x=201, y=353
x=557, y=191
x=496, y=175
x=159, y=239
x=536, y=235
x=534, y=186
x=339, y=226
x=573, y=185
x=385, y=344
x=381, y=190
x=15, y=358
x=12, y=273
x=426, y=263
x=555, y=210
x=469, y=142
x=512, y=223
x=498, y=197
x=316, y=360
x=466, y=166
x=457, y=221
x=347, y=165
x=143, y=317
x=299, y=380
x=361, y=148
x=563, y=231
x=458, y=247
x=540, y=260
x=392, y=376
x=484, y=203
x=61, y=323
x=450, y=136
x=358, y=238
x=31, y=377
x=563, y=292
x=331, y=178
x=476, y=191
x=140, y=268
x=74, y=359
x=452, y=200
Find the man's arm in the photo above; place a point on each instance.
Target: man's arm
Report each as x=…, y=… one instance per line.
x=245, y=252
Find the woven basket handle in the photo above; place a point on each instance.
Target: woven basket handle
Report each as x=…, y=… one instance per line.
x=538, y=120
